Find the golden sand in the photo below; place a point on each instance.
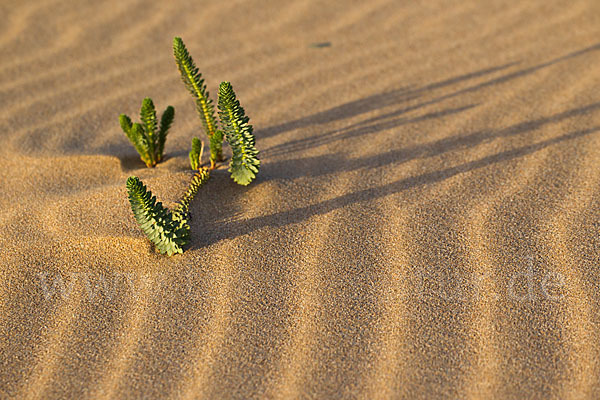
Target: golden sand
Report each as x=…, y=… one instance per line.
x=425, y=223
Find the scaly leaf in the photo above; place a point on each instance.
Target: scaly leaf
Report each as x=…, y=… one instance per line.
x=168, y=234
x=138, y=139
x=165, y=123
x=148, y=117
x=125, y=122
x=216, y=144
x=193, y=81
x=195, y=154
x=244, y=162
x=148, y=140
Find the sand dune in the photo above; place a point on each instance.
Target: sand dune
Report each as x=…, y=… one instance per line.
x=425, y=223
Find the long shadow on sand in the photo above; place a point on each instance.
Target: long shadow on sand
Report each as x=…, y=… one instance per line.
x=372, y=103
x=241, y=227
x=220, y=224
x=326, y=164
x=398, y=97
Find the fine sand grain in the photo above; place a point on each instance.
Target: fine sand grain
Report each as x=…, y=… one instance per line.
x=425, y=223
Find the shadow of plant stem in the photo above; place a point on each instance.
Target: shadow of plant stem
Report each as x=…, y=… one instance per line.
x=372, y=103
x=386, y=99
x=328, y=164
x=356, y=131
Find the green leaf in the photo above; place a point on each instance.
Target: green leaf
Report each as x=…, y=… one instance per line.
x=138, y=139
x=148, y=117
x=125, y=122
x=168, y=234
x=216, y=146
x=195, y=154
x=148, y=140
x=244, y=162
x=165, y=123
x=193, y=81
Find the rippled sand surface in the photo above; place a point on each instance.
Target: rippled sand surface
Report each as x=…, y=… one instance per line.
x=425, y=223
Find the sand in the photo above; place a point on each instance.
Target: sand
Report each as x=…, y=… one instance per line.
x=425, y=223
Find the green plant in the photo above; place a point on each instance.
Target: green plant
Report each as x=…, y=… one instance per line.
x=158, y=223
x=244, y=162
x=168, y=230
x=196, y=154
x=147, y=137
x=234, y=124
x=199, y=179
x=192, y=78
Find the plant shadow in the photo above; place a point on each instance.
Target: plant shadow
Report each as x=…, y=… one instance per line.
x=224, y=220
x=222, y=227
x=372, y=103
